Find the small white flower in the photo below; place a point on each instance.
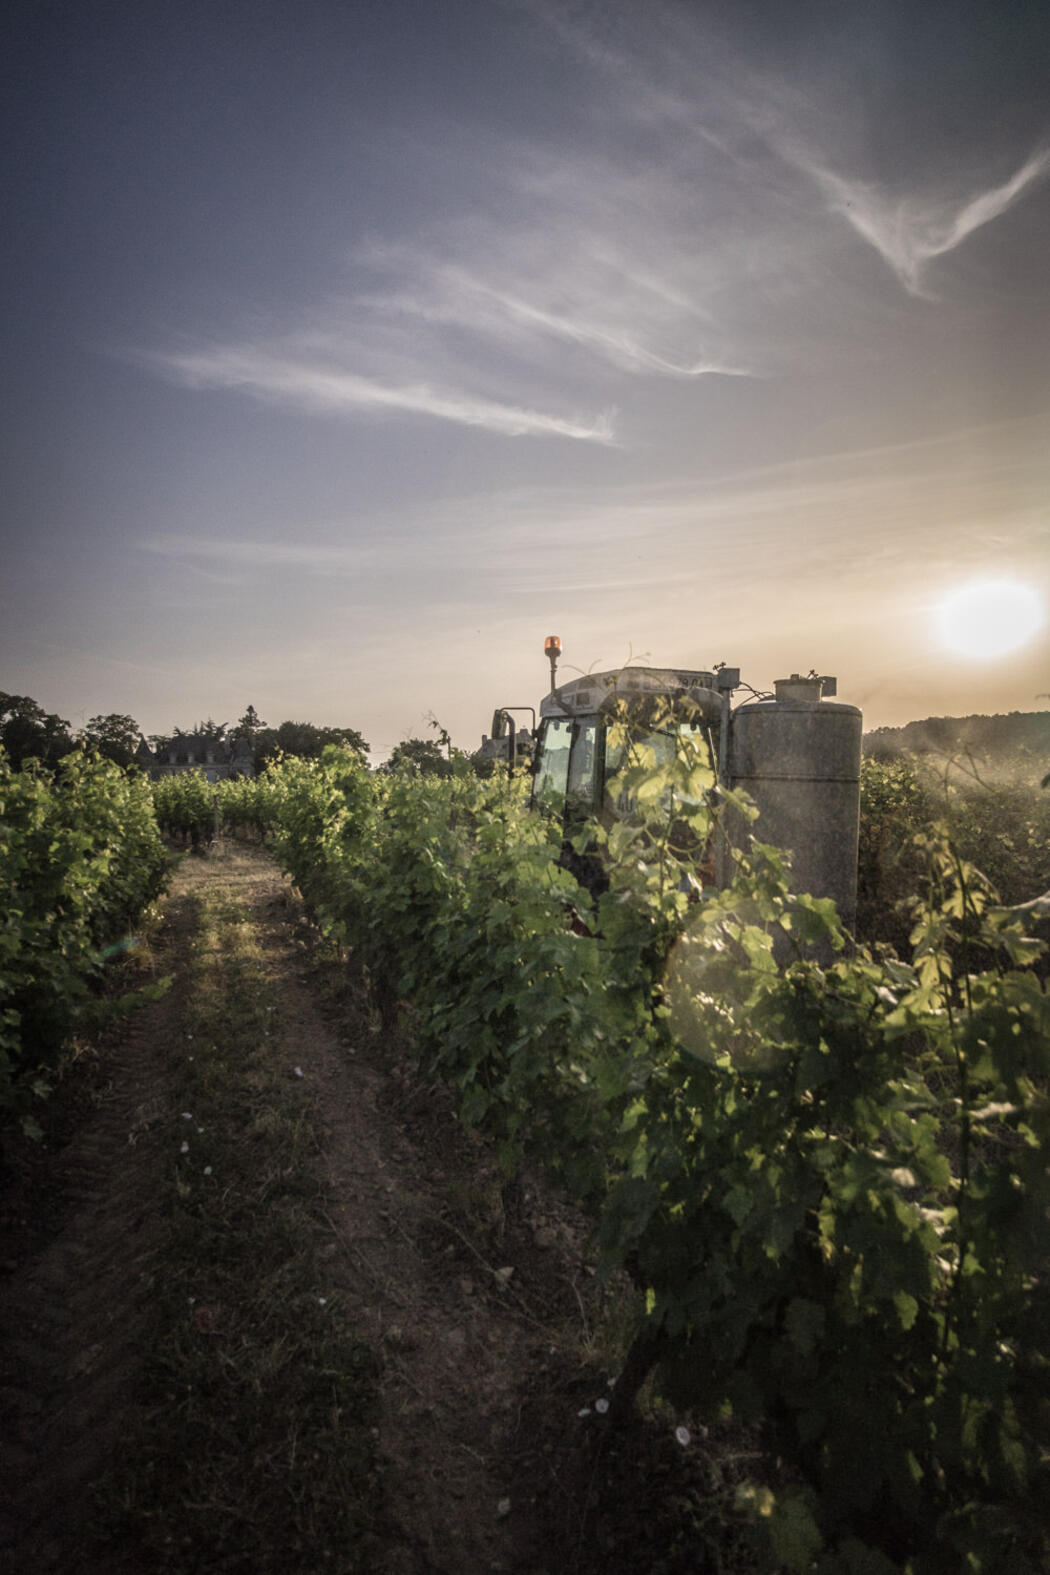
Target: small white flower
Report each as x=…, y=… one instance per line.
x=298, y=1071
x=187, y=1115
x=322, y=1300
x=601, y=1406
x=682, y=1435
x=184, y=1149
x=503, y=1507
x=585, y=1412
x=207, y=1170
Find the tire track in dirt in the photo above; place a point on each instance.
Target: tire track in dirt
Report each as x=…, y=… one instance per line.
x=79, y=1268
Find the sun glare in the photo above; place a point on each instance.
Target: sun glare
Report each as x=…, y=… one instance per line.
x=990, y=618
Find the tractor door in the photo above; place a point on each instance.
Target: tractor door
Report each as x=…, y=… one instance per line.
x=567, y=772
x=567, y=779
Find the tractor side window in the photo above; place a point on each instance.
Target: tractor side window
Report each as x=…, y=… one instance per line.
x=583, y=760
x=552, y=762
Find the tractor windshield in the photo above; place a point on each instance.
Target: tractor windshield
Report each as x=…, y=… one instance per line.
x=577, y=755
x=663, y=741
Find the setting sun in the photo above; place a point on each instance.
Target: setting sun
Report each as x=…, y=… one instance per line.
x=990, y=618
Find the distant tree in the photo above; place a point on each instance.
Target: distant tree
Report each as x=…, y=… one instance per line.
x=208, y=729
x=483, y=765
x=305, y=740
x=249, y=725
x=419, y=754
x=116, y=737
x=28, y=732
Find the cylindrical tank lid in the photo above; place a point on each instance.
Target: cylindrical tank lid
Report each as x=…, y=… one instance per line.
x=809, y=690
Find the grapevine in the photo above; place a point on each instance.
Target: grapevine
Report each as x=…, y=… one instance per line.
x=80, y=859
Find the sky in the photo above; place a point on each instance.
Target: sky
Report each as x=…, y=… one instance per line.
x=350, y=349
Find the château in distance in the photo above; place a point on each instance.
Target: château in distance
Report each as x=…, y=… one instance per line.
x=216, y=758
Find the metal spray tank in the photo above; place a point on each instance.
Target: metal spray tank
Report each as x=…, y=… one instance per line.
x=798, y=756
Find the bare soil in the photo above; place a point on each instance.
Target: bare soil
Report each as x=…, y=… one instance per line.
x=478, y=1297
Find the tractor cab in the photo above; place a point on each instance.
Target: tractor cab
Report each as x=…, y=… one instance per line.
x=794, y=752
x=587, y=726
x=577, y=751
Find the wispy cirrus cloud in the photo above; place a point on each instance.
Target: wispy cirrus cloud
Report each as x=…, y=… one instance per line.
x=851, y=509
x=908, y=232
x=594, y=255
x=528, y=317
x=245, y=553
x=562, y=289
x=315, y=385
x=510, y=308
x=681, y=73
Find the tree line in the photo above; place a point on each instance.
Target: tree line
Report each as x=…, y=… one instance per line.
x=999, y=738
x=28, y=732
x=304, y=739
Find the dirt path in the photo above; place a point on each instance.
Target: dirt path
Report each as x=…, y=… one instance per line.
x=420, y=1250
x=477, y=1306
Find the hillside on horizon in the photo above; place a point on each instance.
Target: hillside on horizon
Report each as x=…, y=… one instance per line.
x=1015, y=735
